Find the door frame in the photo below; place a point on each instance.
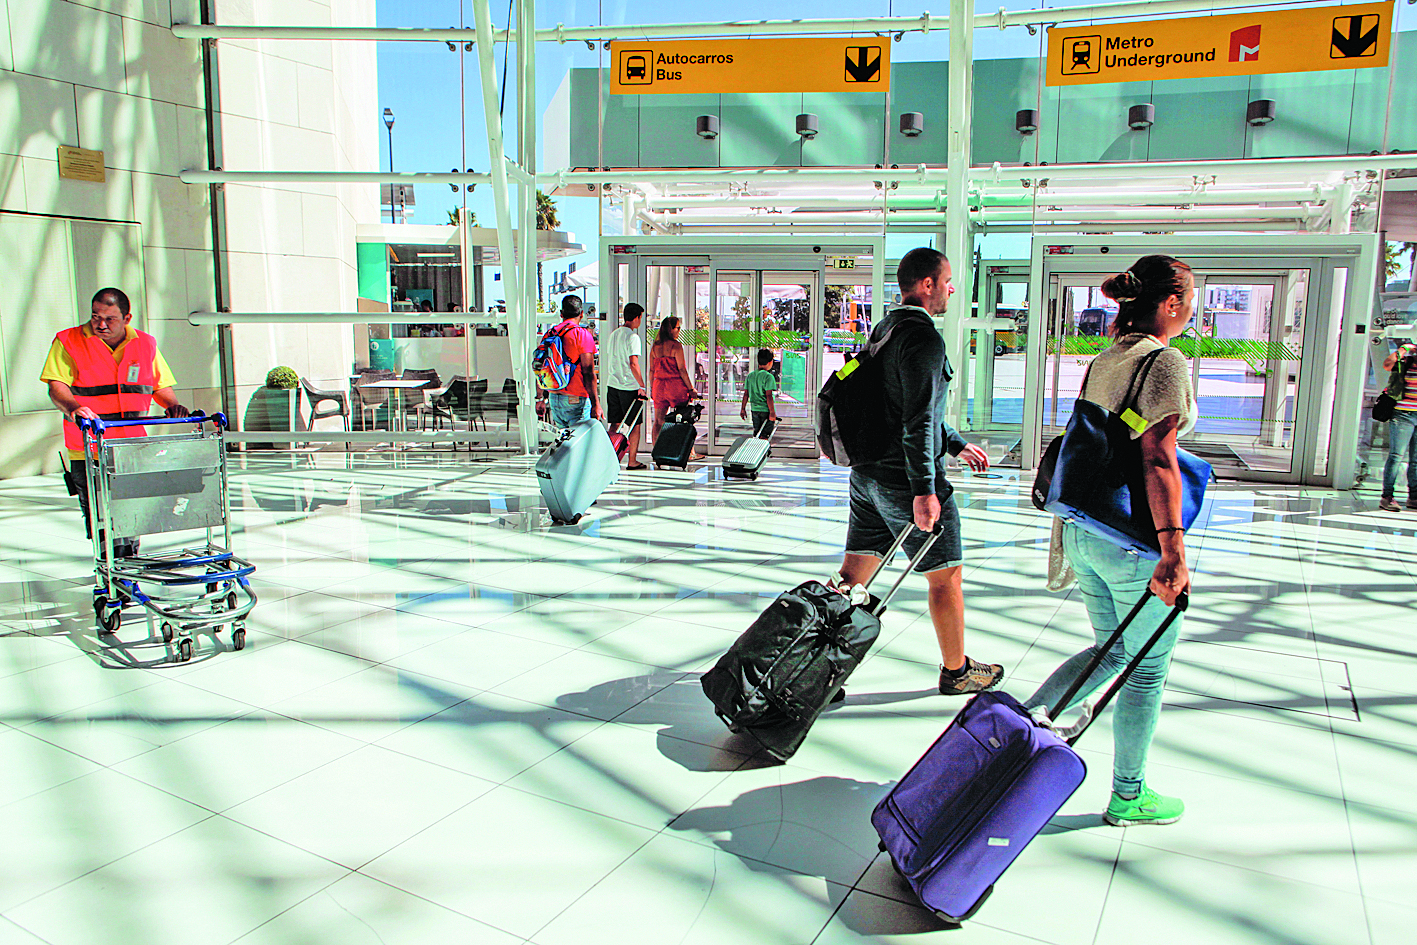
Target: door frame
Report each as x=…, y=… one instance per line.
x=1332, y=357
x=979, y=365
x=745, y=253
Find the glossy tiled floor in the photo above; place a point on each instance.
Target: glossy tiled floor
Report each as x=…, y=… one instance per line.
x=454, y=724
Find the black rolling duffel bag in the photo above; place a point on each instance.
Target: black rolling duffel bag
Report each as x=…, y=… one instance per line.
x=786, y=668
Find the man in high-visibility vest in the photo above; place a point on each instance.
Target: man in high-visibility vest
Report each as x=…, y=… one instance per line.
x=106, y=370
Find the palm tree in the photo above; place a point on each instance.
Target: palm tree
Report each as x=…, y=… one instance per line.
x=453, y=217
x=545, y=220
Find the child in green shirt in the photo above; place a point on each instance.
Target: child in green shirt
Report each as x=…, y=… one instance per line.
x=757, y=394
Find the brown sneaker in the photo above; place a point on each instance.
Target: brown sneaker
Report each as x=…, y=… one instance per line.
x=977, y=677
x=1388, y=504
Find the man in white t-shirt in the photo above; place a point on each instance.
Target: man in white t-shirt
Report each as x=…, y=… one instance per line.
x=624, y=378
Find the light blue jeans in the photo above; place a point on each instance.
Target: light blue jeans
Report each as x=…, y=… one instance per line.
x=1112, y=581
x=567, y=410
x=1401, y=441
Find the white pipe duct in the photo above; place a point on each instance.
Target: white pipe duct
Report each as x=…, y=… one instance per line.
x=1008, y=214
x=561, y=33
x=936, y=176
x=921, y=175
x=1047, y=198
x=328, y=177
x=338, y=318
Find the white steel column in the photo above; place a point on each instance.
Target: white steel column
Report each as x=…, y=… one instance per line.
x=506, y=245
x=526, y=153
x=959, y=241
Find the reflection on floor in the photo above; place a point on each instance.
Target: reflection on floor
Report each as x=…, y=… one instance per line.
x=452, y=723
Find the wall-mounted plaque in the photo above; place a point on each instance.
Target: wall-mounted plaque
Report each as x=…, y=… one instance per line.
x=81, y=164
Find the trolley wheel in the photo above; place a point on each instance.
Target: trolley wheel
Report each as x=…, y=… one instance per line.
x=211, y=588
x=184, y=649
x=231, y=601
x=109, y=621
x=166, y=632
x=238, y=638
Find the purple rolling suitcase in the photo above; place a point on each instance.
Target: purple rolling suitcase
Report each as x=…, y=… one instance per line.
x=987, y=786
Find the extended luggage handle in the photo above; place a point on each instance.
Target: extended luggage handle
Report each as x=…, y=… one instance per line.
x=1182, y=602
x=758, y=433
x=627, y=422
x=900, y=579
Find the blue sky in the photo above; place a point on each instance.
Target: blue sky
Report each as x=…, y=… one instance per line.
x=419, y=81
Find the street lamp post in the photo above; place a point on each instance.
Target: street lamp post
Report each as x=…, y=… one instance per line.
x=389, y=124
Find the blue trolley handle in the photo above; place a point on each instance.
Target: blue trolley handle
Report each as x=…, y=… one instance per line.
x=98, y=426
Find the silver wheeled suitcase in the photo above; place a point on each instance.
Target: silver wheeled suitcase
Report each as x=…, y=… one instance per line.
x=745, y=458
x=575, y=470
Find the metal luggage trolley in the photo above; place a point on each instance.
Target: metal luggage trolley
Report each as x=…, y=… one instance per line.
x=148, y=485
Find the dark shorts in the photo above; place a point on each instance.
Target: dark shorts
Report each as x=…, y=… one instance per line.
x=760, y=423
x=618, y=403
x=879, y=512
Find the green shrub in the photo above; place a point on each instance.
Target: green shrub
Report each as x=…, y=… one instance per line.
x=283, y=378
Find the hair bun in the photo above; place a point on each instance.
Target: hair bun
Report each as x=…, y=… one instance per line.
x=1123, y=287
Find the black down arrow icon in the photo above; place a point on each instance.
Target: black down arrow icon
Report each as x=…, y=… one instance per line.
x=1350, y=40
x=863, y=63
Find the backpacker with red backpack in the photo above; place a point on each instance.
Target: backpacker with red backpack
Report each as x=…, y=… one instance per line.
x=553, y=368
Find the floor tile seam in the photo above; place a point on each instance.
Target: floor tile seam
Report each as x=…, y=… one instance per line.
x=15, y=800
x=348, y=872
x=359, y=868
x=406, y=892
x=1352, y=840
x=502, y=783
x=494, y=689
x=1131, y=835
x=258, y=713
x=35, y=935
x=608, y=873
x=86, y=705
x=655, y=831
x=973, y=922
x=1220, y=702
x=706, y=843
x=368, y=665
x=273, y=715
x=73, y=879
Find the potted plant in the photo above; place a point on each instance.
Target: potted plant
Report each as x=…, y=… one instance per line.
x=275, y=406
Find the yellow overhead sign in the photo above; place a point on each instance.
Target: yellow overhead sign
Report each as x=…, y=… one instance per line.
x=1310, y=40
x=750, y=65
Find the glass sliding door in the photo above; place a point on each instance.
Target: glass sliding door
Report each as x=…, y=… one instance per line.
x=992, y=374
x=791, y=316
x=674, y=287
x=1246, y=345
x=1079, y=320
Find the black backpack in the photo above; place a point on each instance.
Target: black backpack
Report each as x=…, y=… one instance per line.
x=851, y=407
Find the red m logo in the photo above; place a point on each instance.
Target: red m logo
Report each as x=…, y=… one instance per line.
x=1245, y=44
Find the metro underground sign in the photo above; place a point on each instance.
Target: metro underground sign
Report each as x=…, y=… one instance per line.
x=1310, y=40
x=835, y=64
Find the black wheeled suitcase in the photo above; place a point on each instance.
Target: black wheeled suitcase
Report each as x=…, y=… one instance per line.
x=789, y=665
x=745, y=458
x=675, y=442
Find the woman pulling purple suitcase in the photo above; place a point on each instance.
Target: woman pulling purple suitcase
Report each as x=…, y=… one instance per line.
x=1157, y=298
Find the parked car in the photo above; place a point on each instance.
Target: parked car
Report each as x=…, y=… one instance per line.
x=1095, y=321
x=839, y=339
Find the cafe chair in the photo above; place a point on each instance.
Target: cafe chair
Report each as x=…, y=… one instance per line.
x=370, y=400
x=337, y=398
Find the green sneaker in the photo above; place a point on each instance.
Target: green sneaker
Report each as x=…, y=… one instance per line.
x=1148, y=807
